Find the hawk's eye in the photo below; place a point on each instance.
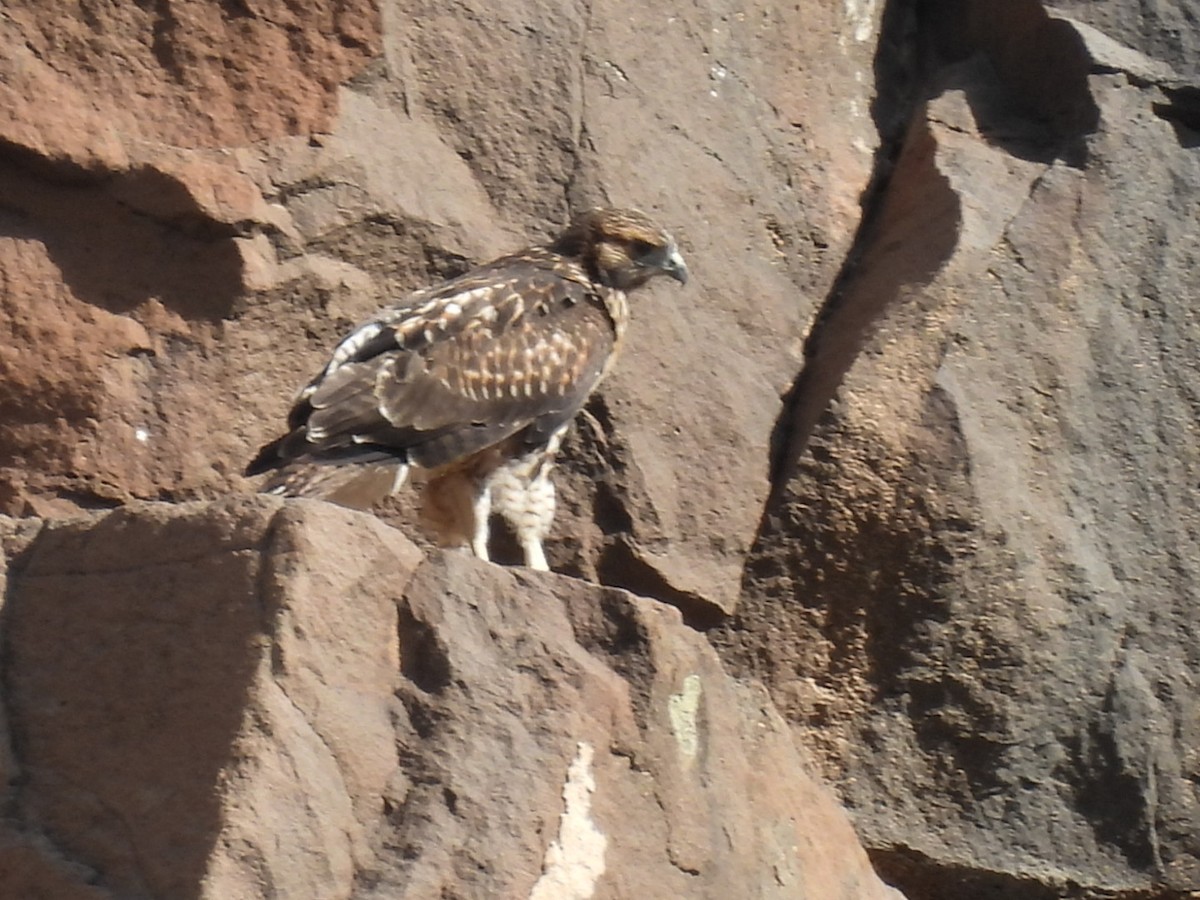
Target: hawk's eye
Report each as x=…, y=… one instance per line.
x=642, y=248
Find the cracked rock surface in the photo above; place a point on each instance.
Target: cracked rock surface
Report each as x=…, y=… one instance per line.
x=284, y=699
x=974, y=587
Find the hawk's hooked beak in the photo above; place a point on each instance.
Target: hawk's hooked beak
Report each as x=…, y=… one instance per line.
x=674, y=265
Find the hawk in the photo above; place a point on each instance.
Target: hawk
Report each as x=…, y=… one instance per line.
x=474, y=382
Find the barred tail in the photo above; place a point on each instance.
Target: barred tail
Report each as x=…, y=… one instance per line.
x=357, y=486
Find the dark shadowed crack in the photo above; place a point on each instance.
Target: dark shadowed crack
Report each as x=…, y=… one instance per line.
x=10, y=805
x=920, y=42
x=12, y=731
x=1181, y=107
x=621, y=566
x=923, y=876
x=88, y=225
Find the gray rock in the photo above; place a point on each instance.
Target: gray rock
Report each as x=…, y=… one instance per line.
x=975, y=593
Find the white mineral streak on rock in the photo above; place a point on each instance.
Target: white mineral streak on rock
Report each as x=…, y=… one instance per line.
x=682, y=708
x=574, y=862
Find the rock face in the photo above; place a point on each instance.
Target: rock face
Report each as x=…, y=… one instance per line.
x=916, y=446
x=284, y=700
x=982, y=558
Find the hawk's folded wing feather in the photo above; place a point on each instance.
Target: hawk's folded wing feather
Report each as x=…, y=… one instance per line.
x=516, y=346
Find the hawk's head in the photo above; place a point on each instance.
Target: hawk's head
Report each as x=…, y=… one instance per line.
x=621, y=248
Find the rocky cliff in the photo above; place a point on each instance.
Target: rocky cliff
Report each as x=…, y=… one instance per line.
x=916, y=449
x=286, y=700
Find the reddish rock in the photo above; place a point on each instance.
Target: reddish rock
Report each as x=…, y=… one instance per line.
x=923, y=421
x=126, y=223
x=186, y=74
x=281, y=698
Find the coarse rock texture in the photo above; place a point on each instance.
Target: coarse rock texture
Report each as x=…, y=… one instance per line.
x=916, y=445
x=981, y=558
x=283, y=699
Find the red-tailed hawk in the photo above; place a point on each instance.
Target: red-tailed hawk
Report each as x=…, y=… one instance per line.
x=475, y=380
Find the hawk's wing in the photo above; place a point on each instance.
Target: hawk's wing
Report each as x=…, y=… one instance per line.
x=516, y=346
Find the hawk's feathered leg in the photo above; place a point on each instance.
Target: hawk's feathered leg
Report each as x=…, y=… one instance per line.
x=458, y=502
x=524, y=495
x=481, y=512
x=452, y=502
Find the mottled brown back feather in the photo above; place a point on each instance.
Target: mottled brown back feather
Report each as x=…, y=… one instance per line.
x=508, y=352
x=525, y=352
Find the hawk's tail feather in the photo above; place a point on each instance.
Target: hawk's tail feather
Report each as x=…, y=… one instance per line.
x=359, y=486
x=358, y=477
x=268, y=458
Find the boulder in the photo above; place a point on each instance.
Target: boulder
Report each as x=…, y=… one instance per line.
x=258, y=698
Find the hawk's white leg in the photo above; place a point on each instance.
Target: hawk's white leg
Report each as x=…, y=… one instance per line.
x=534, y=523
x=400, y=477
x=528, y=505
x=482, y=510
x=535, y=556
